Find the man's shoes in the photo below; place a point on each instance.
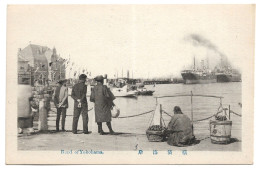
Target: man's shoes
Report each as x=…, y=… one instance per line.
x=112, y=132
x=110, y=128
x=74, y=132
x=102, y=132
x=63, y=130
x=87, y=132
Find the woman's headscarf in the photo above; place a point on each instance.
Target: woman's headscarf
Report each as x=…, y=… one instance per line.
x=177, y=110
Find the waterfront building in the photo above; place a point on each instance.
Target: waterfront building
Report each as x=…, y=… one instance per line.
x=24, y=75
x=57, y=67
x=39, y=63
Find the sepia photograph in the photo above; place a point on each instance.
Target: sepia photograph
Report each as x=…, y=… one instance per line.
x=130, y=84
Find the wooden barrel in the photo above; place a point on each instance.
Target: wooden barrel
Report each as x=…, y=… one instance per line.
x=220, y=132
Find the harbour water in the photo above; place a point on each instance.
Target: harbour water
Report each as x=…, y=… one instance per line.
x=202, y=106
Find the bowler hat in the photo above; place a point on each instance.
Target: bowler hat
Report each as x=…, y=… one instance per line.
x=99, y=78
x=82, y=77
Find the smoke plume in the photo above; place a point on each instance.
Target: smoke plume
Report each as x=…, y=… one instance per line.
x=198, y=40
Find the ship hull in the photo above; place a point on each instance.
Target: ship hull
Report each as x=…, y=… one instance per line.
x=228, y=78
x=191, y=78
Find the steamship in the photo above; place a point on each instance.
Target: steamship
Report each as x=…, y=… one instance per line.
x=201, y=75
x=225, y=73
x=228, y=77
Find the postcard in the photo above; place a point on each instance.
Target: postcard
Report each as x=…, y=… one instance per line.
x=130, y=84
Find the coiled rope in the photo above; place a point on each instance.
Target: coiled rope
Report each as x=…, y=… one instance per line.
x=135, y=115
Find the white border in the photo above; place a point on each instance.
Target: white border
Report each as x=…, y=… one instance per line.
x=3, y=4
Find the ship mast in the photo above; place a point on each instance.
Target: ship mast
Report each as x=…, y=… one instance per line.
x=194, y=64
x=221, y=63
x=207, y=62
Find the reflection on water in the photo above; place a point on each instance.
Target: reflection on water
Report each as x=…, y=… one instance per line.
x=202, y=106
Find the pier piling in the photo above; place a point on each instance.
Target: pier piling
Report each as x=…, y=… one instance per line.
x=43, y=122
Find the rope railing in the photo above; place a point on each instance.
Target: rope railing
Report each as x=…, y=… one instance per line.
x=195, y=95
x=135, y=115
x=68, y=115
x=235, y=113
x=118, y=117
x=207, y=117
x=195, y=120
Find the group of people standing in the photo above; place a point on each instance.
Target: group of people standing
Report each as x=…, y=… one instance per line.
x=100, y=95
x=179, y=130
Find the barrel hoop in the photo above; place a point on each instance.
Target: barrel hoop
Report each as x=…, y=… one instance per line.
x=215, y=123
x=220, y=142
x=223, y=136
x=24, y=117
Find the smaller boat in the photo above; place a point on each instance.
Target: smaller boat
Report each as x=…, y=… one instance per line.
x=123, y=92
x=144, y=92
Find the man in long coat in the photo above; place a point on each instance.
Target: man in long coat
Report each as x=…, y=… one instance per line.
x=180, y=129
x=103, y=99
x=78, y=93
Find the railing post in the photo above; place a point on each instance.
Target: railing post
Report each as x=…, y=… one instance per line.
x=191, y=112
x=229, y=112
x=42, y=123
x=160, y=114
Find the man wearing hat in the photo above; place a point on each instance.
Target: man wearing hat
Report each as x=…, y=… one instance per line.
x=103, y=99
x=78, y=93
x=180, y=129
x=61, y=103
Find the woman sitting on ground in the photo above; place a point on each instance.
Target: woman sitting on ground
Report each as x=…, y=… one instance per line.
x=180, y=129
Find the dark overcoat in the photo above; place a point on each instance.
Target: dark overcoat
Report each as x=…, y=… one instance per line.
x=79, y=91
x=103, y=99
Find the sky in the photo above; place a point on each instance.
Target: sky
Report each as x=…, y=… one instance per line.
x=148, y=40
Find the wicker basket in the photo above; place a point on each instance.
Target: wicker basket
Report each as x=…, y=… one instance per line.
x=155, y=136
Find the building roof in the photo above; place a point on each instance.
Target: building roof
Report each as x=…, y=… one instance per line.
x=35, y=54
x=22, y=59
